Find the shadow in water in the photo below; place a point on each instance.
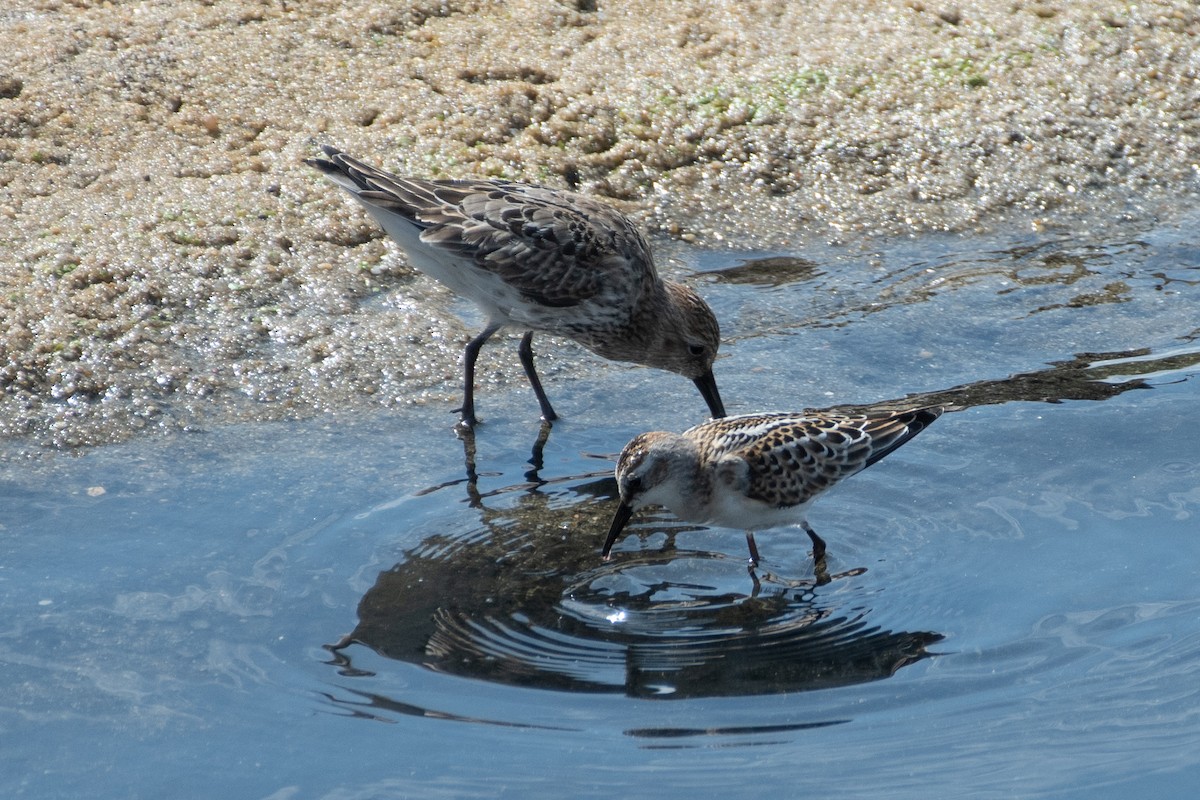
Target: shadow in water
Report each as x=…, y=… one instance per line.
x=378, y=707
x=770, y=272
x=1087, y=376
x=1083, y=275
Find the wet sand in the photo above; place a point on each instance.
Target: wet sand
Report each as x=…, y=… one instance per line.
x=168, y=263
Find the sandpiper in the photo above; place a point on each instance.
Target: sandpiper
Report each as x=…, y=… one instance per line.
x=756, y=471
x=540, y=259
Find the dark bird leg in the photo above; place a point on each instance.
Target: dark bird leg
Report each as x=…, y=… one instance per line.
x=753, y=549
x=525, y=352
x=470, y=353
x=818, y=543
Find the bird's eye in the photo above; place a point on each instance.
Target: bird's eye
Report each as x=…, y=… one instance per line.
x=696, y=349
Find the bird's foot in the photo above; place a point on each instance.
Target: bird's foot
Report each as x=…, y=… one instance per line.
x=340, y=644
x=466, y=422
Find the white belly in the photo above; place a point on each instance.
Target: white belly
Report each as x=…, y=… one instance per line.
x=735, y=510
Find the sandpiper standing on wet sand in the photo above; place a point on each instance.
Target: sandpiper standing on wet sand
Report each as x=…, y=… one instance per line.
x=541, y=260
x=757, y=470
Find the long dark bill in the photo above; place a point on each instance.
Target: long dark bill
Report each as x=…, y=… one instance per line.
x=624, y=512
x=707, y=385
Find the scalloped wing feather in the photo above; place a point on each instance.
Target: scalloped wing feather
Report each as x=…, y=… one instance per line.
x=794, y=457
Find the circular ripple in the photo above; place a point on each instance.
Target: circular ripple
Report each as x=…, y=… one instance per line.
x=521, y=603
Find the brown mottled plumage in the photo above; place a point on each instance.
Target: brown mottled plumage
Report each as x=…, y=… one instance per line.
x=757, y=470
x=540, y=259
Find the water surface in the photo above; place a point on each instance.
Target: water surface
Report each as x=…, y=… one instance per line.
x=1012, y=610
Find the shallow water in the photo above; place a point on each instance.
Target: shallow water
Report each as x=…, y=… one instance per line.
x=1013, y=609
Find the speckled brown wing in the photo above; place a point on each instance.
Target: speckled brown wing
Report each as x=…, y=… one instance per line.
x=556, y=248
x=794, y=457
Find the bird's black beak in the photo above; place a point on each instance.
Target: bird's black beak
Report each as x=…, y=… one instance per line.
x=624, y=512
x=707, y=385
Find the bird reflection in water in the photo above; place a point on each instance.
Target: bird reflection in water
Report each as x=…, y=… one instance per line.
x=523, y=599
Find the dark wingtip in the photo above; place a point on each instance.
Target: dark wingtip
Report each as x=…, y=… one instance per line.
x=624, y=512
x=912, y=421
x=322, y=164
x=923, y=417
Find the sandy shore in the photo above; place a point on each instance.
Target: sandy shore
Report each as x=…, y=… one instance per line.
x=167, y=260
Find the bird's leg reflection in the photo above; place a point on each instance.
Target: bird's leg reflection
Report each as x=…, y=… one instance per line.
x=821, y=570
x=818, y=543
x=819, y=566
x=823, y=577
x=536, y=458
x=342, y=661
x=467, y=435
x=754, y=579
x=340, y=644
